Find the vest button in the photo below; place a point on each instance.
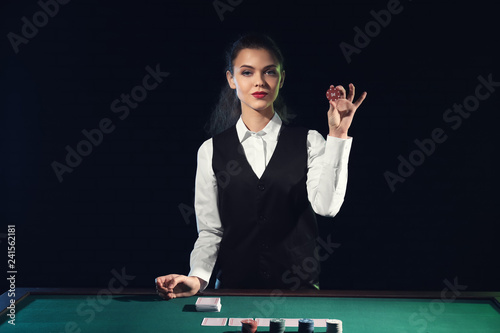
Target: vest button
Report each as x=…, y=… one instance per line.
x=262, y=219
x=265, y=275
x=264, y=246
x=261, y=187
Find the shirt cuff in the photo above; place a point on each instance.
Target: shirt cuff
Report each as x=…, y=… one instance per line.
x=203, y=275
x=337, y=150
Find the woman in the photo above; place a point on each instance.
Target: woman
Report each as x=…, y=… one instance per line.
x=259, y=182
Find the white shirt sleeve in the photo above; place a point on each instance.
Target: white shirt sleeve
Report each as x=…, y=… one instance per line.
x=327, y=172
x=206, y=247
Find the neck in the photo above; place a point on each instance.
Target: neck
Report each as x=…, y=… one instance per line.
x=254, y=120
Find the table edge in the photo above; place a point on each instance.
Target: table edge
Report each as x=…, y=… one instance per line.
x=22, y=293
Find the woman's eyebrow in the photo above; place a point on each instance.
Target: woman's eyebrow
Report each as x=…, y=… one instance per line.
x=273, y=65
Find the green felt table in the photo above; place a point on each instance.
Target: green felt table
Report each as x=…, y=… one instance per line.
x=87, y=310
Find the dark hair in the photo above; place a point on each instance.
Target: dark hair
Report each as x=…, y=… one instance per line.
x=228, y=109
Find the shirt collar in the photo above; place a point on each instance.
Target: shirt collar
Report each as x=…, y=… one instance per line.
x=270, y=132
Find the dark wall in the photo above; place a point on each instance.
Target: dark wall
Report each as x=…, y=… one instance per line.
x=127, y=204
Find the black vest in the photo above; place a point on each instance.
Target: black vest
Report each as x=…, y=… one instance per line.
x=270, y=228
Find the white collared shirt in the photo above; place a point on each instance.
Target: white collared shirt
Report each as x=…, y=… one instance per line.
x=259, y=147
x=326, y=184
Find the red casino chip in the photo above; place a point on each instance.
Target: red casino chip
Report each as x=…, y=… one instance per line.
x=248, y=326
x=333, y=94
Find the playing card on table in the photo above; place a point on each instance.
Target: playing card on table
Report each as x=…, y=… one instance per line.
x=319, y=322
x=291, y=322
x=214, y=322
x=263, y=321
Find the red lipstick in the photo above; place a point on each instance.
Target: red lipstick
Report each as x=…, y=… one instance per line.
x=259, y=94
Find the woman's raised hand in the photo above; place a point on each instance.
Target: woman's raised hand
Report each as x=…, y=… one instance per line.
x=342, y=111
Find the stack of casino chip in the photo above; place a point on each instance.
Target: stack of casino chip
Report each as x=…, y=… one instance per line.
x=277, y=326
x=306, y=326
x=333, y=326
x=248, y=326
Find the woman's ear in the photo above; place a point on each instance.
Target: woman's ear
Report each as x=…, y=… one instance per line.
x=230, y=80
x=282, y=79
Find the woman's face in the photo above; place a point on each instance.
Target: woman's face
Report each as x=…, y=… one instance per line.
x=256, y=70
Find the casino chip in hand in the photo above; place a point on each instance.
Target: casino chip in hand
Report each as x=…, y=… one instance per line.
x=333, y=94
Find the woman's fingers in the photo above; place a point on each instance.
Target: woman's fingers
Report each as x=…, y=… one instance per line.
x=360, y=99
x=333, y=105
x=350, y=97
x=341, y=88
x=160, y=283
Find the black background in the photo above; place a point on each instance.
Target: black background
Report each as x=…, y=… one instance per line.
x=119, y=209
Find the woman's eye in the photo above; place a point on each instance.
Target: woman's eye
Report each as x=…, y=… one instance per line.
x=268, y=72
